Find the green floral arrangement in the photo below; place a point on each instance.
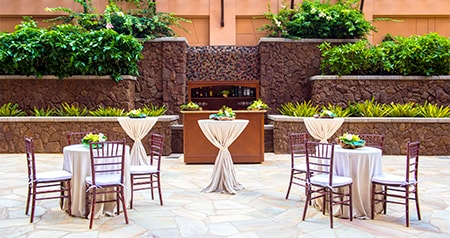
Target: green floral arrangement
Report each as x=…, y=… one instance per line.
x=190, y=106
x=325, y=114
x=350, y=141
x=258, y=105
x=100, y=137
x=136, y=113
x=225, y=114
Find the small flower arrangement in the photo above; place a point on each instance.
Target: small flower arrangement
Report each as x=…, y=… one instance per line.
x=258, y=105
x=225, y=114
x=100, y=137
x=136, y=113
x=350, y=141
x=190, y=106
x=325, y=114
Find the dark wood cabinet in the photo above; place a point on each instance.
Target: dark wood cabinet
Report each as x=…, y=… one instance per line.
x=212, y=95
x=248, y=147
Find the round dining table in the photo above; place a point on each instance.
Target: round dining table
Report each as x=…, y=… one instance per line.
x=77, y=160
x=137, y=129
x=222, y=134
x=322, y=128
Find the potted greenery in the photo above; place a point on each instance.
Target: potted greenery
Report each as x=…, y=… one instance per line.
x=225, y=114
x=258, y=105
x=190, y=106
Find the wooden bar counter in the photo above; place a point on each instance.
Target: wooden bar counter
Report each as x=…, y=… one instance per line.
x=248, y=147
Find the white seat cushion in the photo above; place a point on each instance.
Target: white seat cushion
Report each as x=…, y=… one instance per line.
x=102, y=180
x=143, y=169
x=392, y=179
x=53, y=176
x=301, y=167
x=322, y=180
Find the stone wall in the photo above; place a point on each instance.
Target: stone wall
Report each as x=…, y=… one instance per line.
x=432, y=132
x=384, y=89
x=49, y=133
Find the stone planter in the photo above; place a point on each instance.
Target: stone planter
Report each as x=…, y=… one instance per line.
x=49, y=133
x=432, y=132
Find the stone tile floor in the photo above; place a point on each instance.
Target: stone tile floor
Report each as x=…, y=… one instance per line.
x=260, y=210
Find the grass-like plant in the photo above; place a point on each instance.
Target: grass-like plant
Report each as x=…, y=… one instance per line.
x=43, y=112
x=433, y=110
x=153, y=111
x=408, y=109
x=11, y=110
x=337, y=110
x=304, y=109
x=107, y=112
x=369, y=108
x=71, y=110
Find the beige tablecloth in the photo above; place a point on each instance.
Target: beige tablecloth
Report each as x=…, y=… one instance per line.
x=322, y=129
x=137, y=129
x=361, y=165
x=222, y=134
x=77, y=161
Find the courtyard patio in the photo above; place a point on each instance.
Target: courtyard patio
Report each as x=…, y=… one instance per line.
x=260, y=210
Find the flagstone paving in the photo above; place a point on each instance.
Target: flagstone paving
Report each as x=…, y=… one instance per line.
x=260, y=210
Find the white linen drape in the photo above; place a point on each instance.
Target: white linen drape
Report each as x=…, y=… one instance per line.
x=323, y=129
x=222, y=134
x=137, y=129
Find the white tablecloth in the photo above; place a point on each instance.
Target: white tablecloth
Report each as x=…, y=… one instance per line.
x=322, y=129
x=222, y=134
x=77, y=160
x=361, y=165
x=137, y=129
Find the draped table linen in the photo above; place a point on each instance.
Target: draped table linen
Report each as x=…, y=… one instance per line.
x=323, y=129
x=137, y=129
x=77, y=160
x=222, y=134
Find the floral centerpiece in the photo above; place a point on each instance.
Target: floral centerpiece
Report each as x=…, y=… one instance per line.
x=325, y=114
x=225, y=114
x=350, y=141
x=100, y=137
x=136, y=113
x=190, y=106
x=258, y=105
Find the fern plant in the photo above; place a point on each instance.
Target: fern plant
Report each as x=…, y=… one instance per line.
x=11, y=110
x=304, y=109
x=43, y=112
x=71, y=110
x=433, y=110
x=403, y=110
x=154, y=111
x=369, y=108
x=107, y=112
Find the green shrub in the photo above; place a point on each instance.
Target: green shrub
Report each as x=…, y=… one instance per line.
x=154, y=111
x=71, y=110
x=415, y=55
x=67, y=50
x=403, y=110
x=337, y=110
x=107, y=112
x=43, y=112
x=11, y=110
x=314, y=19
x=304, y=109
x=433, y=110
x=369, y=108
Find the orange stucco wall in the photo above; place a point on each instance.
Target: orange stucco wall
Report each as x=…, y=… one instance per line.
x=243, y=18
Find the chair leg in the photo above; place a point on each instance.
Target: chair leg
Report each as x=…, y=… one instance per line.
x=27, y=208
x=289, y=187
x=33, y=203
x=351, y=202
x=417, y=203
x=372, y=201
x=385, y=199
x=93, y=201
x=122, y=199
x=307, y=202
x=69, y=199
x=407, y=205
x=152, y=186
x=132, y=191
x=330, y=206
x=159, y=191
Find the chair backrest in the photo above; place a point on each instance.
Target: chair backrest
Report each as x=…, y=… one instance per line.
x=319, y=159
x=412, y=161
x=31, y=161
x=107, y=158
x=373, y=140
x=74, y=137
x=297, y=146
x=156, y=149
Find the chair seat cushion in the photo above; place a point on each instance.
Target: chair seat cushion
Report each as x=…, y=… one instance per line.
x=323, y=179
x=143, y=169
x=300, y=167
x=102, y=180
x=53, y=176
x=392, y=179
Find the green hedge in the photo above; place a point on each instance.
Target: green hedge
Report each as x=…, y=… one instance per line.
x=415, y=55
x=67, y=50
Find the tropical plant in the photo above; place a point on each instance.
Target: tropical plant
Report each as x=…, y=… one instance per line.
x=408, y=109
x=190, y=106
x=71, y=110
x=369, y=108
x=318, y=19
x=303, y=109
x=154, y=111
x=43, y=112
x=337, y=110
x=433, y=110
x=11, y=110
x=258, y=105
x=107, y=112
